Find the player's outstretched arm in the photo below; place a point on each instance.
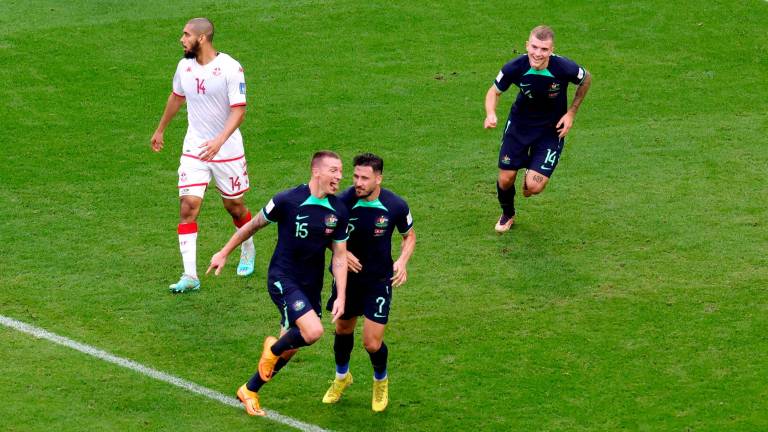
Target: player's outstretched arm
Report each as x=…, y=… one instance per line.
x=209, y=148
x=566, y=121
x=400, y=267
x=339, y=270
x=244, y=233
x=491, y=102
x=171, y=108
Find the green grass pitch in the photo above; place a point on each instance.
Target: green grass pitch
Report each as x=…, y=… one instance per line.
x=632, y=294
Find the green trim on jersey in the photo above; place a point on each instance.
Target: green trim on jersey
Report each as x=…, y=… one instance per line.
x=312, y=200
x=370, y=204
x=544, y=72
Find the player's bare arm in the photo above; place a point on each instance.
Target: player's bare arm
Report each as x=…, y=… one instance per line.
x=491, y=102
x=339, y=270
x=244, y=233
x=171, y=108
x=400, y=266
x=566, y=121
x=210, y=148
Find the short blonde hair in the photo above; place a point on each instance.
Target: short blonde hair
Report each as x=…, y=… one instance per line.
x=543, y=33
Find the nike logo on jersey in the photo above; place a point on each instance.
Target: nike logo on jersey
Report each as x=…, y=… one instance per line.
x=301, y=217
x=545, y=168
x=379, y=316
x=524, y=85
x=351, y=219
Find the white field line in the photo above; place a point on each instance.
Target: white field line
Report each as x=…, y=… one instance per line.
x=147, y=371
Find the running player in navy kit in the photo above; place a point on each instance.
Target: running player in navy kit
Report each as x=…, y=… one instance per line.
x=309, y=220
x=539, y=120
x=374, y=213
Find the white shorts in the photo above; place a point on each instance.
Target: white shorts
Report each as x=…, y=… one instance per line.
x=231, y=176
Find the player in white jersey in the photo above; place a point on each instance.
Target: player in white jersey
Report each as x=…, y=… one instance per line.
x=213, y=86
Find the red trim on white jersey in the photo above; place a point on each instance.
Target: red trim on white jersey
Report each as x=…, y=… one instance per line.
x=215, y=161
x=234, y=194
x=237, y=105
x=178, y=95
x=193, y=185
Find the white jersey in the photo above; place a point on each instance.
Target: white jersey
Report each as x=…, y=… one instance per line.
x=210, y=91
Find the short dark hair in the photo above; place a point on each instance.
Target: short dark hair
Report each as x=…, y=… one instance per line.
x=318, y=156
x=543, y=33
x=371, y=160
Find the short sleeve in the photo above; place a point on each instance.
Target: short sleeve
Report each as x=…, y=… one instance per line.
x=509, y=74
x=340, y=234
x=573, y=72
x=236, y=85
x=404, y=221
x=178, y=90
x=274, y=211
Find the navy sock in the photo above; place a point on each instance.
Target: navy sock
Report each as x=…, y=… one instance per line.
x=290, y=340
x=379, y=362
x=342, y=350
x=255, y=383
x=506, y=199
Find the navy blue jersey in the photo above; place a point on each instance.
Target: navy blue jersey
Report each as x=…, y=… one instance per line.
x=306, y=226
x=371, y=224
x=543, y=97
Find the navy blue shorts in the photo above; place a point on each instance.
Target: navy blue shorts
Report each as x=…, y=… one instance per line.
x=535, y=148
x=365, y=297
x=292, y=300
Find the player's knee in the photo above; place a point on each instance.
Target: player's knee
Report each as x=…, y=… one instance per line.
x=372, y=344
x=506, y=179
x=535, y=188
x=312, y=334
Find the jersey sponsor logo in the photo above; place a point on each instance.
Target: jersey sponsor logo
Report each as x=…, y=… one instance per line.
x=298, y=305
x=301, y=217
x=382, y=222
x=242, y=88
x=378, y=232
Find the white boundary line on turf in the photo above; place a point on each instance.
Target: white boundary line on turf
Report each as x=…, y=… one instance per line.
x=152, y=373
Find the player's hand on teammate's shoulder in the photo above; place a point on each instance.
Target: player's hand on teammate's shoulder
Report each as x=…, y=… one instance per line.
x=157, y=141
